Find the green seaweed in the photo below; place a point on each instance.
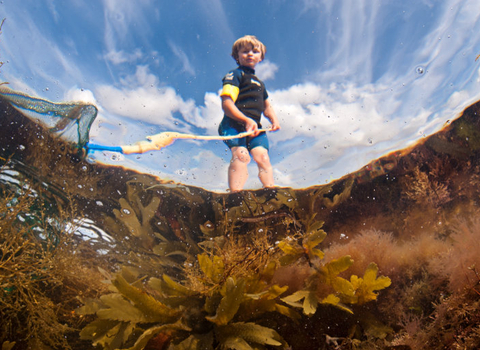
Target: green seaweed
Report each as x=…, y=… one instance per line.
x=293, y=250
x=357, y=291
x=132, y=308
x=223, y=295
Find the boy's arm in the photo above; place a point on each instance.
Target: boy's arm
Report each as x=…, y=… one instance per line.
x=233, y=112
x=270, y=114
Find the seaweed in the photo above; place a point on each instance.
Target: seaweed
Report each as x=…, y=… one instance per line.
x=41, y=276
x=28, y=236
x=225, y=297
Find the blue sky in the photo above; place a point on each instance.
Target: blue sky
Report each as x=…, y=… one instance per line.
x=342, y=75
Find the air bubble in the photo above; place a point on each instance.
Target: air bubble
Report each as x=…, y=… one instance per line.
x=420, y=70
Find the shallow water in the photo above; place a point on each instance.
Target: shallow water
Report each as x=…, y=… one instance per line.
x=402, y=212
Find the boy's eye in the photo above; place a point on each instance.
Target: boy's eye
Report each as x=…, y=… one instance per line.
x=246, y=51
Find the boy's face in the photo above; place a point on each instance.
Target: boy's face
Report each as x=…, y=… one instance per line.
x=249, y=56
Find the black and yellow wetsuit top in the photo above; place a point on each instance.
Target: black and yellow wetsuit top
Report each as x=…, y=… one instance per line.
x=247, y=91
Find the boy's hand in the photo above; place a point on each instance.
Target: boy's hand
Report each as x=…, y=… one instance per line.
x=233, y=112
x=251, y=125
x=272, y=116
x=275, y=127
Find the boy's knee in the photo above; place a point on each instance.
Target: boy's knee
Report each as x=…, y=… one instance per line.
x=261, y=157
x=241, y=154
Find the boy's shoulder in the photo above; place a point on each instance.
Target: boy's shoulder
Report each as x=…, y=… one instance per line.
x=235, y=75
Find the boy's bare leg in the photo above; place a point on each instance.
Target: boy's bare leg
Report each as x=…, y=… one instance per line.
x=265, y=170
x=238, y=169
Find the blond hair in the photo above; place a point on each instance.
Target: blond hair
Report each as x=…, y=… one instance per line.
x=246, y=41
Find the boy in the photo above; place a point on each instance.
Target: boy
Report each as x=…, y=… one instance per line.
x=244, y=99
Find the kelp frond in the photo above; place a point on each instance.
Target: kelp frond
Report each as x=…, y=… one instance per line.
x=224, y=294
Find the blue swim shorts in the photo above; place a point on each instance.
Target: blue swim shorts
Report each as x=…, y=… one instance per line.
x=230, y=127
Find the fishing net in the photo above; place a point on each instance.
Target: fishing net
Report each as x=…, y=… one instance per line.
x=72, y=121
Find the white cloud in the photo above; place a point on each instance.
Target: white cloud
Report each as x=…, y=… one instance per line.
x=211, y=170
x=142, y=77
x=152, y=105
x=53, y=10
x=349, y=40
x=118, y=57
x=142, y=99
x=41, y=57
x=266, y=70
x=119, y=16
x=315, y=4
x=82, y=95
x=214, y=14
x=209, y=115
x=457, y=98
x=329, y=132
x=182, y=56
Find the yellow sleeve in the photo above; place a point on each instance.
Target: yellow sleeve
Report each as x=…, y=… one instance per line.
x=230, y=90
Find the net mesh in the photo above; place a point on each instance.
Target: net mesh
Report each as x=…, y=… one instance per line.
x=71, y=121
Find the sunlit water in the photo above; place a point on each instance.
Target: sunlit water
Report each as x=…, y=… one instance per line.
x=349, y=82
